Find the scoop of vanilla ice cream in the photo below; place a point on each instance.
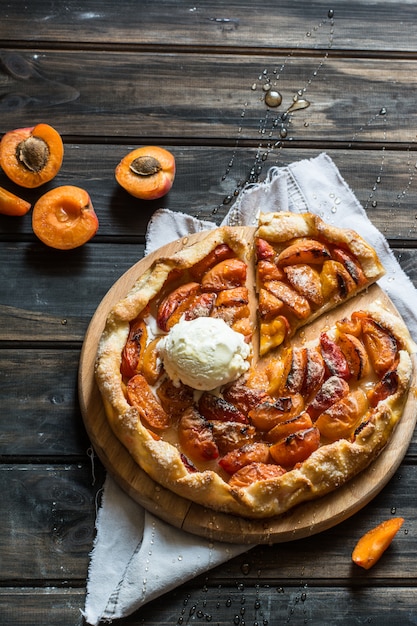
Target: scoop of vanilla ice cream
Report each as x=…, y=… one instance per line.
x=204, y=353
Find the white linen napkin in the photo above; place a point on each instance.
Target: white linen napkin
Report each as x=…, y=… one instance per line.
x=137, y=557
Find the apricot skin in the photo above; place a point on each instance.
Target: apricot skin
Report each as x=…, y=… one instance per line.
x=13, y=164
x=147, y=186
x=64, y=218
x=10, y=204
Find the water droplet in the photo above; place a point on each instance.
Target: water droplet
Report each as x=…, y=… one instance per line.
x=330, y=14
x=179, y=557
x=298, y=104
x=266, y=86
x=283, y=133
x=374, y=203
x=253, y=87
x=273, y=98
x=245, y=568
x=383, y=111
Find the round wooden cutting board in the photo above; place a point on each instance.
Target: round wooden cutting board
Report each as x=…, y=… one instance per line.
x=304, y=520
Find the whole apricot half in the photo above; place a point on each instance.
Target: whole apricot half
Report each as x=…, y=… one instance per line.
x=64, y=218
x=32, y=156
x=146, y=173
x=10, y=204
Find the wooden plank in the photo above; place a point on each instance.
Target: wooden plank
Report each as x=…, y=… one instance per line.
x=383, y=180
x=37, y=606
x=39, y=388
x=388, y=26
x=47, y=518
x=177, y=96
x=237, y=603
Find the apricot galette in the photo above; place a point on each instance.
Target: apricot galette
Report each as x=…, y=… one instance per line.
x=216, y=391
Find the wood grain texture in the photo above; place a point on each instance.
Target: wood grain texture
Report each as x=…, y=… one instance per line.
x=171, y=98
x=358, y=25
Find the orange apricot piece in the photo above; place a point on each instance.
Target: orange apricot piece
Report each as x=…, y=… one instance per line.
x=11, y=204
x=146, y=173
x=32, y=156
x=64, y=218
x=372, y=545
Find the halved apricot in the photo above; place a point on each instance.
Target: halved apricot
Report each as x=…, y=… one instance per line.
x=32, y=156
x=146, y=173
x=64, y=218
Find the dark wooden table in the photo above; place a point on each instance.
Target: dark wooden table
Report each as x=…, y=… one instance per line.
x=187, y=76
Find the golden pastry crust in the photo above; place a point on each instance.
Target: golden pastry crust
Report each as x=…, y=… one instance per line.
x=331, y=464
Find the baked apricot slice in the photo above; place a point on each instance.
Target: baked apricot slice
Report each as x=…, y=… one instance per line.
x=341, y=419
x=64, y=218
x=381, y=345
x=175, y=399
x=215, y=408
x=147, y=172
x=196, y=436
x=284, y=429
x=133, y=352
x=336, y=281
x=332, y=390
x=256, y=452
x=173, y=300
x=141, y=396
x=220, y=253
x=225, y=275
x=305, y=280
x=305, y=251
x=10, y=204
x=296, y=303
x=355, y=354
x=295, y=448
x=333, y=357
x=32, y=156
x=253, y=472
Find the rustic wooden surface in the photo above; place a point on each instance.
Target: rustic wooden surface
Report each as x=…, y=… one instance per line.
x=110, y=76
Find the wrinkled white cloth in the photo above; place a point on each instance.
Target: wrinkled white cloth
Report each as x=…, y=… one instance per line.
x=137, y=557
